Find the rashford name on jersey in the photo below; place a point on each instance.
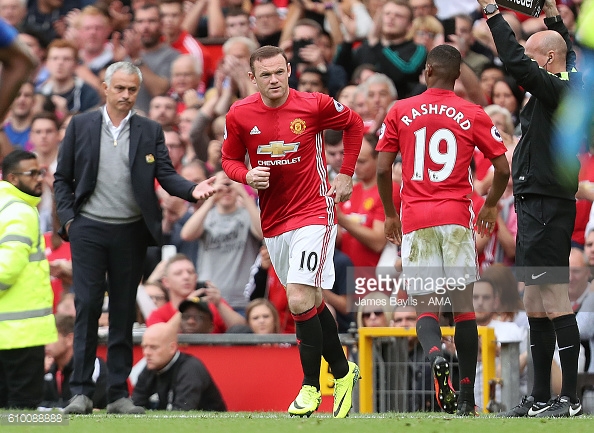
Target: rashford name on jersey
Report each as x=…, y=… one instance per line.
x=442, y=110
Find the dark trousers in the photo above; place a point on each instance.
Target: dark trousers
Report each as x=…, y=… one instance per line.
x=21, y=377
x=116, y=251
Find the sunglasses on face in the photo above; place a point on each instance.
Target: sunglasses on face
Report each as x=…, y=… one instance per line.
x=375, y=313
x=33, y=173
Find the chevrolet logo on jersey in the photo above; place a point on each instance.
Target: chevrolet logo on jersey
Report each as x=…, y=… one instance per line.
x=277, y=148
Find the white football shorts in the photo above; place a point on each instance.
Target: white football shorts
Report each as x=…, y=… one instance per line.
x=304, y=256
x=437, y=257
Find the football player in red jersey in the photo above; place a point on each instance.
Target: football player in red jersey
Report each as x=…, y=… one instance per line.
x=436, y=133
x=281, y=130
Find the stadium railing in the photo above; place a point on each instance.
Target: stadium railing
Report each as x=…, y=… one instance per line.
x=375, y=392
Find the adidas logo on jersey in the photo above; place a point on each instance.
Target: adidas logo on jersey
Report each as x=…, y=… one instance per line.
x=255, y=131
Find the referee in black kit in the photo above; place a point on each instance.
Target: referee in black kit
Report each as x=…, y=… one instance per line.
x=545, y=204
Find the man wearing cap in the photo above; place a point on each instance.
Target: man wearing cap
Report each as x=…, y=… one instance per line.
x=173, y=380
x=196, y=317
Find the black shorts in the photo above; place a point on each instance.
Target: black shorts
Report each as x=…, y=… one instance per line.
x=543, y=242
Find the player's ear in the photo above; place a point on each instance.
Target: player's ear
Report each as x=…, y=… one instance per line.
x=428, y=70
x=288, y=69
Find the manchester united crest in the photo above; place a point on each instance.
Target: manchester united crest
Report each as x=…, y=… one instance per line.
x=298, y=126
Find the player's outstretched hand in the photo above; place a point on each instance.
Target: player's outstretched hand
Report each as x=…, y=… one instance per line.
x=393, y=229
x=485, y=223
x=341, y=188
x=204, y=189
x=258, y=177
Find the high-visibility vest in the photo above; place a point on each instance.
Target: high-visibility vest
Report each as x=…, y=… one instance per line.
x=26, y=296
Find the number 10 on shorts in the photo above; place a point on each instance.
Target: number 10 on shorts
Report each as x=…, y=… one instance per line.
x=309, y=260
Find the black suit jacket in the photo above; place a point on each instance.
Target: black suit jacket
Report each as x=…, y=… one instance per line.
x=78, y=164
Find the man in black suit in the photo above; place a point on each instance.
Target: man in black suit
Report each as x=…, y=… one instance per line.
x=106, y=202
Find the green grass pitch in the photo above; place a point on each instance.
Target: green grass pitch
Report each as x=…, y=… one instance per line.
x=271, y=422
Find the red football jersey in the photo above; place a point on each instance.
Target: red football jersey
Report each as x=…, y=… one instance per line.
x=436, y=133
x=288, y=139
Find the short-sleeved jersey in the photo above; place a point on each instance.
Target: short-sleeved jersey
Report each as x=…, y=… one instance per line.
x=436, y=133
x=288, y=139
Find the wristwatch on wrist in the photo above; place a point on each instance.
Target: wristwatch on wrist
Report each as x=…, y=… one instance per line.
x=490, y=9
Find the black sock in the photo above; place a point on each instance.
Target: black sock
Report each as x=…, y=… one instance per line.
x=466, y=340
x=429, y=335
x=332, y=349
x=542, y=347
x=568, y=340
x=308, y=331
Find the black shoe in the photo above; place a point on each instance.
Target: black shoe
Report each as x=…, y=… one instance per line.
x=467, y=408
x=527, y=408
x=562, y=407
x=444, y=391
